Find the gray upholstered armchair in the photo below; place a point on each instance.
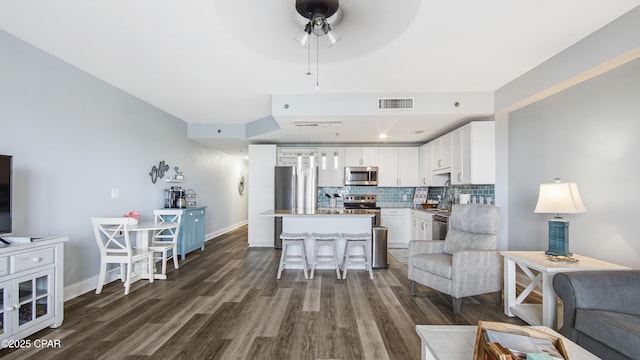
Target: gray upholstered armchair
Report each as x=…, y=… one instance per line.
x=467, y=262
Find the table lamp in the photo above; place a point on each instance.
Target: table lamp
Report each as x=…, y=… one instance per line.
x=559, y=198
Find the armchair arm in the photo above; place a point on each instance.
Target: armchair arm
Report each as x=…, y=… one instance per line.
x=476, y=272
x=425, y=247
x=616, y=291
x=422, y=247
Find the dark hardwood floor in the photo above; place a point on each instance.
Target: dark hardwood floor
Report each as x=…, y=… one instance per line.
x=225, y=303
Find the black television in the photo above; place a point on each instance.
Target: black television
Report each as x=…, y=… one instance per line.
x=5, y=193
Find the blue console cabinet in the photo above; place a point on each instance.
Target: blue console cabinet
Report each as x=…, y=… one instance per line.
x=192, y=230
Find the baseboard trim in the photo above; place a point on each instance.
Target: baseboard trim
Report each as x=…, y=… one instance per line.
x=84, y=286
x=225, y=230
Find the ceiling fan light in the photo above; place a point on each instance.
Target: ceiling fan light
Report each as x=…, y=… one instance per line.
x=303, y=39
x=333, y=38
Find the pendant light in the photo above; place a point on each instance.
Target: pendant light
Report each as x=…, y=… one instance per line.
x=335, y=154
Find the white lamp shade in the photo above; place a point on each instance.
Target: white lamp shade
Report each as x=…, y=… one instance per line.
x=559, y=198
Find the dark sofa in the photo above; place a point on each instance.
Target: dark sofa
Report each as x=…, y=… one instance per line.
x=602, y=311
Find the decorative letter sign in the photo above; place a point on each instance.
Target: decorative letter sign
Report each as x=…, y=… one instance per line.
x=158, y=172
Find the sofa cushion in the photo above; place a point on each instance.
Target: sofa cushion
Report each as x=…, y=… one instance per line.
x=619, y=331
x=437, y=264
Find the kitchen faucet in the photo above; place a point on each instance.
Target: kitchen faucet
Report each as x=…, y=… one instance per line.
x=447, y=197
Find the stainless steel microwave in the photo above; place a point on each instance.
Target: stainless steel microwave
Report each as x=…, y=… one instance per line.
x=361, y=175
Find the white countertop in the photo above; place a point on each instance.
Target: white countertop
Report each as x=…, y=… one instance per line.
x=320, y=212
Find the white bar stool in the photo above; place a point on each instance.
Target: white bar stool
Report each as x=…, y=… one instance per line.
x=293, y=239
x=325, y=240
x=353, y=241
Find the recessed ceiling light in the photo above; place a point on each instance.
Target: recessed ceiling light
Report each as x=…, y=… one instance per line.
x=382, y=136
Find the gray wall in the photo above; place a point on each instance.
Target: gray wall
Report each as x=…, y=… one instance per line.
x=75, y=137
x=588, y=134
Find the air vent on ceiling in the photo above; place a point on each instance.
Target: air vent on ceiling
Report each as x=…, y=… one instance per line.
x=395, y=103
x=317, y=123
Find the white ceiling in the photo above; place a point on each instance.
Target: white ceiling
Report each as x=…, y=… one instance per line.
x=219, y=62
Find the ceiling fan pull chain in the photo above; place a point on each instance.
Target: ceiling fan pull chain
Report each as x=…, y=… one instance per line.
x=308, y=60
x=317, y=62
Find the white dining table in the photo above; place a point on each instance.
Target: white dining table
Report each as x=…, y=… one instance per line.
x=144, y=230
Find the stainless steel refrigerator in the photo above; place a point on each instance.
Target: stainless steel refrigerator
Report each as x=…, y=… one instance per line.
x=295, y=189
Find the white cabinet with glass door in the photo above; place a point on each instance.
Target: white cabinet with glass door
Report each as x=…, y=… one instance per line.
x=31, y=287
x=27, y=302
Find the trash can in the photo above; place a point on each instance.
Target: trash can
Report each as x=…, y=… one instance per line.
x=379, y=248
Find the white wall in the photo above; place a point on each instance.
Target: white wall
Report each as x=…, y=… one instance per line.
x=75, y=137
x=557, y=112
x=588, y=134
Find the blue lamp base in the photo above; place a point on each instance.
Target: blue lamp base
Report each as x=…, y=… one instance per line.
x=558, y=237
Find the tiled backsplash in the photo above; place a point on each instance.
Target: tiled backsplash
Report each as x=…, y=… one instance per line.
x=481, y=192
x=403, y=196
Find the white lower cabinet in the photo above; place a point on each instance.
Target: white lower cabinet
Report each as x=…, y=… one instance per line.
x=31, y=287
x=397, y=222
x=421, y=227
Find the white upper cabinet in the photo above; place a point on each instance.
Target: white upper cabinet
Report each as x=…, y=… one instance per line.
x=397, y=166
x=441, y=154
x=361, y=156
x=473, y=150
x=388, y=166
x=332, y=173
x=426, y=177
x=408, y=157
x=424, y=164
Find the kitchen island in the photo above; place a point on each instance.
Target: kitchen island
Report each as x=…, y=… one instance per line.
x=323, y=221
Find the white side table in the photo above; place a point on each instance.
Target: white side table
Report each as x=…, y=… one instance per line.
x=545, y=314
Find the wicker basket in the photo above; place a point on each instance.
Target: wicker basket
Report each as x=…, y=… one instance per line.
x=488, y=351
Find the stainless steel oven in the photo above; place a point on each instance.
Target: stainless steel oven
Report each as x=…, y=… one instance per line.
x=363, y=204
x=361, y=175
x=440, y=227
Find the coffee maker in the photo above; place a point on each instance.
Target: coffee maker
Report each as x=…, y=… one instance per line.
x=175, y=198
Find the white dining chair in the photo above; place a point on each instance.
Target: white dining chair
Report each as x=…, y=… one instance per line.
x=166, y=240
x=115, y=247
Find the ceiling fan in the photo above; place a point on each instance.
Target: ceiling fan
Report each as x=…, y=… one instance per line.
x=321, y=14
